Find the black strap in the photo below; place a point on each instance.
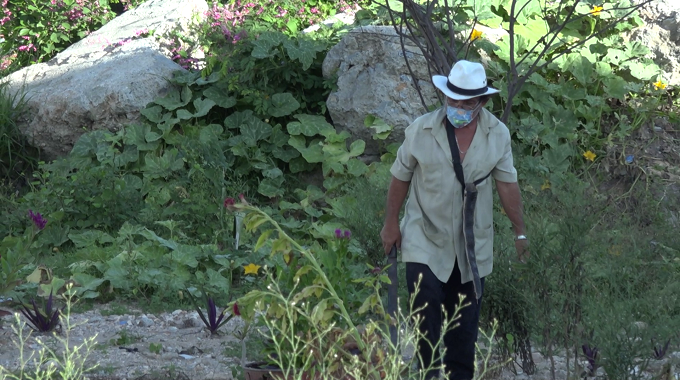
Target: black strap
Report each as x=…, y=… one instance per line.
x=469, y=193
x=455, y=155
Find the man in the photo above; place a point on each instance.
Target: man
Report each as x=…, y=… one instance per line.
x=446, y=236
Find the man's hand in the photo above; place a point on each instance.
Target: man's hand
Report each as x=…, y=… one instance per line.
x=522, y=248
x=390, y=236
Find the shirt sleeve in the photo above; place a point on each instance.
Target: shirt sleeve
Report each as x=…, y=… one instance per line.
x=505, y=169
x=403, y=167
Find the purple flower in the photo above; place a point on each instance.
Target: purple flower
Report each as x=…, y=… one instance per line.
x=348, y=234
x=338, y=233
x=38, y=219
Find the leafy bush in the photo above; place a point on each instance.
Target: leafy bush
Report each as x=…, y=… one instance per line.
x=37, y=30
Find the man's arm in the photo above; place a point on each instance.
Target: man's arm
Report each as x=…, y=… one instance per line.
x=511, y=200
x=396, y=195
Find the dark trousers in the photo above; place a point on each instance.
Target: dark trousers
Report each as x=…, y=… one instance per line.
x=459, y=359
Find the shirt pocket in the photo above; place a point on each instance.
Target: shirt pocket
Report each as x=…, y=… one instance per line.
x=432, y=175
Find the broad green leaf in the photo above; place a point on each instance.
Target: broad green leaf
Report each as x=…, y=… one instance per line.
x=300, y=164
x=285, y=154
x=616, y=87
x=216, y=280
x=615, y=56
x=155, y=167
x=271, y=187
x=557, y=158
x=582, y=70
x=210, y=133
x=265, y=42
x=129, y=155
x=136, y=135
x=304, y=50
x=175, y=99
x=312, y=153
x=86, y=146
x=153, y=114
x=220, y=96
x=89, y=238
x=54, y=234
x=283, y=105
x=185, y=255
x=332, y=183
x=272, y=173
x=203, y=106
x=356, y=167
x=310, y=125
x=183, y=114
x=116, y=274
x=255, y=130
x=642, y=70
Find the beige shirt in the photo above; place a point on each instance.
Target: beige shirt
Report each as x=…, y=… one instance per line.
x=432, y=227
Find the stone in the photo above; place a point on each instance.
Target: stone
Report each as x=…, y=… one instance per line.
x=661, y=35
x=373, y=79
x=102, y=81
x=145, y=321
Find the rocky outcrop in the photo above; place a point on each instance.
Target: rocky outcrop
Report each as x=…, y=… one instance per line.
x=373, y=79
x=662, y=36
x=102, y=81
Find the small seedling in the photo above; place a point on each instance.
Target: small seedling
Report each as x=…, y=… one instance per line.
x=124, y=339
x=214, y=321
x=44, y=320
x=155, y=348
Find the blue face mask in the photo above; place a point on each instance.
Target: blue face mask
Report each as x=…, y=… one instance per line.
x=460, y=117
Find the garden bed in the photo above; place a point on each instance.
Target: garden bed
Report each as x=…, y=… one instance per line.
x=176, y=345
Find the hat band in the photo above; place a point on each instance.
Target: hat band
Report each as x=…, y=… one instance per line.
x=464, y=92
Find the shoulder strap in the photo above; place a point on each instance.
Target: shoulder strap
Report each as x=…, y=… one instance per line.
x=455, y=153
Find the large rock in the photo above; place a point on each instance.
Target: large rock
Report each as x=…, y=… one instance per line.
x=373, y=79
x=102, y=81
x=662, y=36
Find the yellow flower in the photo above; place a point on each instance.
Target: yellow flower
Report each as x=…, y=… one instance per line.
x=590, y=156
x=596, y=10
x=615, y=250
x=546, y=185
x=660, y=85
x=252, y=268
x=475, y=35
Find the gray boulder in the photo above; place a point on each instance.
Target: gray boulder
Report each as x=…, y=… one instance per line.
x=662, y=36
x=373, y=79
x=102, y=81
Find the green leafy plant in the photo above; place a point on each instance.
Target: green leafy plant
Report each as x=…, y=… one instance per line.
x=37, y=30
x=155, y=348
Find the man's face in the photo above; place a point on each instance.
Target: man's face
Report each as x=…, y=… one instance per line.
x=468, y=104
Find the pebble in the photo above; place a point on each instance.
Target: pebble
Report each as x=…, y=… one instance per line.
x=145, y=322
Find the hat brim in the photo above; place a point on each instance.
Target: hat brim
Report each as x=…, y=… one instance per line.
x=440, y=82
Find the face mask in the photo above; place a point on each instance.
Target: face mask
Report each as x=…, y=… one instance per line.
x=460, y=117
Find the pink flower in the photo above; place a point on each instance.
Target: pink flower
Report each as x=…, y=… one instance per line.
x=314, y=10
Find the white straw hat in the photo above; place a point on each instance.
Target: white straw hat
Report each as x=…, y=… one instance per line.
x=466, y=80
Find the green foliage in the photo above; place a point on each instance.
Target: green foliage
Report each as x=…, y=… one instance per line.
x=37, y=30
x=591, y=279
x=16, y=156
